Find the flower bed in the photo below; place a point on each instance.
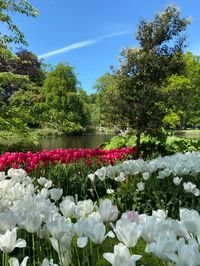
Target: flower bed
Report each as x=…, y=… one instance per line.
x=169, y=182
x=40, y=227
x=32, y=161
x=67, y=168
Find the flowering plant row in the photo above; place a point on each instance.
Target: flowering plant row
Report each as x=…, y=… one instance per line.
x=168, y=182
x=40, y=227
x=32, y=161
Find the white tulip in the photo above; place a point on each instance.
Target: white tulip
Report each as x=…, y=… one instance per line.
x=146, y=176
x=163, y=247
x=59, y=227
x=15, y=262
x=32, y=222
x=101, y=173
x=9, y=241
x=140, y=186
x=108, y=212
x=97, y=232
x=83, y=208
x=91, y=177
x=120, y=178
x=7, y=221
x=177, y=180
x=45, y=182
x=67, y=206
x=128, y=232
x=16, y=173
x=121, y=256
x=110, y=191
x=46, y=262
x=56, y=193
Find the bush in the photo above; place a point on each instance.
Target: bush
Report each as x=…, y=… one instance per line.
x=152, y=147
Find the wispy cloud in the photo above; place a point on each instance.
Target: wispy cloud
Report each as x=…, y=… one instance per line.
x=78, y=45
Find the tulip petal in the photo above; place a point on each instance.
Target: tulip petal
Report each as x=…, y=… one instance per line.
x=82, y=242
x=13, y=262
x=21, y=243
x=110, y=234
x=24, y=262
x=109, y=257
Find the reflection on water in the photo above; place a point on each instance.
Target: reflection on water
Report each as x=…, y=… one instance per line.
x=73, y=142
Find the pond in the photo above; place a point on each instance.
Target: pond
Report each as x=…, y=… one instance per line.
x=90, y=141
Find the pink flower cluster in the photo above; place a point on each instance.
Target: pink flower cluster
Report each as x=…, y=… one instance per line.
x=31, y=161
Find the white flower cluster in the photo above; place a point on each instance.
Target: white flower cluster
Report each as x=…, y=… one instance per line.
x=178, y=166
x=24, y=206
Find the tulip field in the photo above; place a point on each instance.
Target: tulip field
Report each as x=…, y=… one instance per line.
x=93, y=207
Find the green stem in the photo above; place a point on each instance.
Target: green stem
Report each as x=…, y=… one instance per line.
x=77, y=256
x=98, y=255
x=6, y=259
x=91, y=253
x=33, y=248
x=96, y=191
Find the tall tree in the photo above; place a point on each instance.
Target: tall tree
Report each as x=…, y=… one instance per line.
x=13, y=35
x=183, y=94
x=64, y=107
x=106, y=98
x=143, y=70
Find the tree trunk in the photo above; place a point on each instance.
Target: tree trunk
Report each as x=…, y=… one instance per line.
x=138, y=134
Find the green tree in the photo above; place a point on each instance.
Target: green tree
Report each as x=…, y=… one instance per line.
x=64, y=106
x=10, y=83
x=183, y=94
x=178, y=91
x=9, y=121
x=143, y=70
x=193, y=74
x=28, y=105
x=106, y=97
x=19, y=7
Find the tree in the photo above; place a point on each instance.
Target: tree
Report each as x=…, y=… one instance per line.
x=7, y=120
x=10, y=83
x=28, y=105
x=64, y=107
x=13, y=6
x=25, y=63
x=183, y=94
x=143, y=70
x=178, y=91
x=105, y=99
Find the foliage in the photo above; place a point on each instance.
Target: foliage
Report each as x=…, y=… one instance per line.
x=106, y=98
x=183, y=95
x=28, y=105
x=153, y=146
x=143, y=70
x=24, y=63
x=16, y=7
x=9, y=83
x=64, y=107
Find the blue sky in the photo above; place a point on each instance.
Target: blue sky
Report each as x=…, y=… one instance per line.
x=89, y=34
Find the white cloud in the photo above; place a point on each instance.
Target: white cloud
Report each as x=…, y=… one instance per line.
x=81, y=44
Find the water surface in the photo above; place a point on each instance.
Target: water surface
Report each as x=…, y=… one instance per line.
x=65, y=142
